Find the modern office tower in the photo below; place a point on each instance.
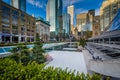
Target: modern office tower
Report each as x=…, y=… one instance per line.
x=20, y=4
x=70, y=10
x=91, y=14
x=108, y=11
x=90, y=18
x=48, y=11
x=15, y=25
x=85, y=22
x=81, y=21
x=43, y=28
x=96, y=26
x=15, y=3
x=54, y=16
x=72, y=29
x=66, y=24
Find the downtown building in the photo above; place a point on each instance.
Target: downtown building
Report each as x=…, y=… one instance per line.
x=81, y=21
x=108, y=11
x=85, y=23
x=54, y=16
x=96, y=26
x=19, y=4
x=43, y=29
x=66, y=25
x=107, y=46
x=15, y=25
x=70, y=11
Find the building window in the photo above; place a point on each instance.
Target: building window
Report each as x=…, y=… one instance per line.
x=14, y=20
x=22, y=29
x=5, y=25
x=5, y=8
x=14, y=27
x=15, y=12
x=4, y=14
x=15, y=32
x=6, y=20
x=6, y=31
x=96, y=27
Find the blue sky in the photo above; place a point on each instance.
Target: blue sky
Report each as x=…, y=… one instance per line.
x=38, y=7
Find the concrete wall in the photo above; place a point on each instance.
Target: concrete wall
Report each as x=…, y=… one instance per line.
x=106, y=67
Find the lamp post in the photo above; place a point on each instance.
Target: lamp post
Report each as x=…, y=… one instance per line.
x=70, y=37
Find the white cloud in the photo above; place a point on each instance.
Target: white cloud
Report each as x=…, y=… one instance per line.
x=70, y=2
x=37, y=3
x=80, y=10
x=97, y=12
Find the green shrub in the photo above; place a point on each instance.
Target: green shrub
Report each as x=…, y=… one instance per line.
x=10, y=70
x=82, y=42
x=37, y=51
x=21, y=54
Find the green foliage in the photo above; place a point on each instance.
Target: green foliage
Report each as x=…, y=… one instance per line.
x=38, y=51
x=96, y=77
x=24, y=55
x=21, y=54
x=10, y=70
x=82, y=42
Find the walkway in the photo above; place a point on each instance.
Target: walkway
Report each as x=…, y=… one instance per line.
x=67, y=59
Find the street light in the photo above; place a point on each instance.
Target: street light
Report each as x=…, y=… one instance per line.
x=70, y=37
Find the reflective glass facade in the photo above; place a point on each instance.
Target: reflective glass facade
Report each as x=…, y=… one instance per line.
x=15, y=3
x=66, y=23
x=115, y=25
x=108, y=10
x=20, y=4
x=54, y=15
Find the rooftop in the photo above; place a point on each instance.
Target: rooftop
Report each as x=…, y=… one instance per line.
x=42, y=20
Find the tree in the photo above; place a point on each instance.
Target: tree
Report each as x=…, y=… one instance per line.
x=21, y=54
x=82, y=42
x=38, y=51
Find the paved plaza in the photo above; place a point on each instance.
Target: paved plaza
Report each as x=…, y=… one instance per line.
x=67, y=59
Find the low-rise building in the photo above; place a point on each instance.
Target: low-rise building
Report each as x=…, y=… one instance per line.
x=15, y=25
x=43, y=28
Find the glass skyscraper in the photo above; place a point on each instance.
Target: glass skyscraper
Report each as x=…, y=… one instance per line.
x=54, y=16
x=20, y=4
x=66, y=23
